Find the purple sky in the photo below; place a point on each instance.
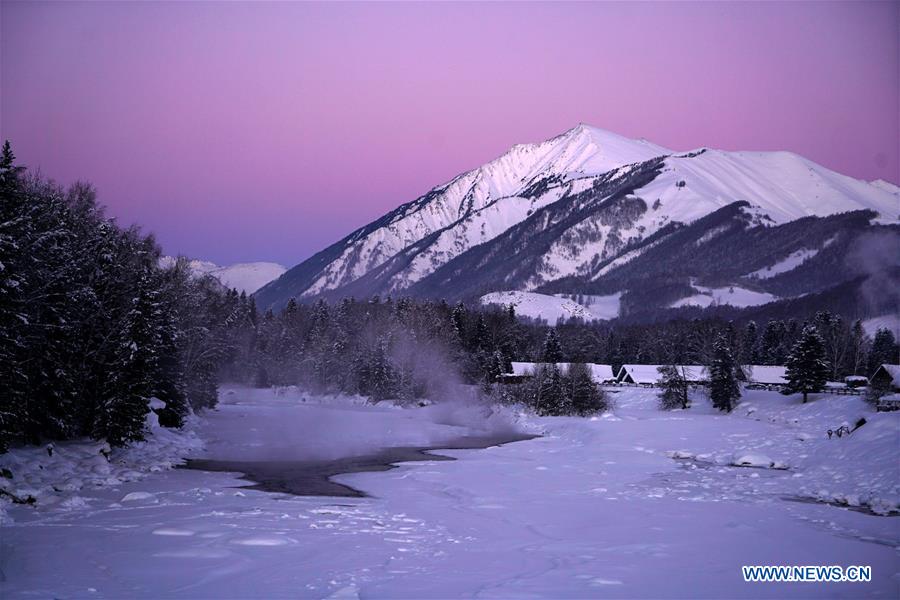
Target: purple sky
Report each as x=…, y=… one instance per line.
x=250, y=131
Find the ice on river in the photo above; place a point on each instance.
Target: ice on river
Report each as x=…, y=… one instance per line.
x=638, y=503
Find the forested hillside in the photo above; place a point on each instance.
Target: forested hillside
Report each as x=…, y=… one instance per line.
x=91, y=327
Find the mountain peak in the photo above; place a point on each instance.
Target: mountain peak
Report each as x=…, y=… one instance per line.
x=611, y=212
x=588, y=150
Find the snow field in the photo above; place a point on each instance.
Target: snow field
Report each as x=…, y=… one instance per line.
x=632, y=503
x=553, y=308
x=57, y=478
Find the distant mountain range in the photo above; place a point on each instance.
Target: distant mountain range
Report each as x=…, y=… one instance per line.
x=244, y=277
x=593, y=215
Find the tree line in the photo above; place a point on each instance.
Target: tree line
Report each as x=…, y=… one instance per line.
x=91, y=326
x=806, y=372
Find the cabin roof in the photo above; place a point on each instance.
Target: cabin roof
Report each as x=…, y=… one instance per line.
x=892, y=370
x=650, y=373
x=766, y=374
x=599, y=373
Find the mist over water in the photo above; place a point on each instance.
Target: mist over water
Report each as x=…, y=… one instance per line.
x=286, y=441
x=290, y=424
x=469, y=410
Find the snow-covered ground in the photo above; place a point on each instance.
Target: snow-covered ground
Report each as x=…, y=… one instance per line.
x=733, y=295
x=556, y=307
x=789, y=263
x=634, y=503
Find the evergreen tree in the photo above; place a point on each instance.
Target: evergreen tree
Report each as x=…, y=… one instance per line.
x=586, y=396
x=10, y=172
x=673, y=388
x=884, y=351
x=749, y=344
x=551, y=397
x=382, y=378
x=723, y=384
x=124, y=402
x=807, y=370
x=17, y=267
x=552, y=350
x=496, y=367
x=772, y=350
x=458, y=317
x=481, y=339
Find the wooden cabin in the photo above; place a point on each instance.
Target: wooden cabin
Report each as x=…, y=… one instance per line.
x=601, y=374
x=886, y=377
x=763, y=376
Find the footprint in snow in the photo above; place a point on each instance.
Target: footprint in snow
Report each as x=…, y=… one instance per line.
x=262, y=541
x=598, y=581
x=194, y=553
x=173, y=531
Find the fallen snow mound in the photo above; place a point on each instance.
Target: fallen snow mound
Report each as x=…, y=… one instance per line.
x=52, y=474
x=753, y=460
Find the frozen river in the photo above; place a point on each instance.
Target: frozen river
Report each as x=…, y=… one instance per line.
x=592, y=508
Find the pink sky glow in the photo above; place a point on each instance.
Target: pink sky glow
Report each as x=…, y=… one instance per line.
x=266, y=131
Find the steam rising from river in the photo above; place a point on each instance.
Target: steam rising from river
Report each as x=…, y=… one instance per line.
x=290, y=424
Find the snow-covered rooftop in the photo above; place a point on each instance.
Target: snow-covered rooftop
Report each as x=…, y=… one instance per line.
x=600, y=373
x=640, y=373
x=765, y=374
x=893, y=371
x=649, y=374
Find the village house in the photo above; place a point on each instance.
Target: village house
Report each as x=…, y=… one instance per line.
x=649, y=375
x=886, y=377
x=521, y=371
x=763, y=376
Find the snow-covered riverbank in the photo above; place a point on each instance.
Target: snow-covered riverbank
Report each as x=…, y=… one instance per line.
x=631, y=504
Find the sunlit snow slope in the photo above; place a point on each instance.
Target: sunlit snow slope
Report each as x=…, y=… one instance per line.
x=244, y=277
x=616, y=191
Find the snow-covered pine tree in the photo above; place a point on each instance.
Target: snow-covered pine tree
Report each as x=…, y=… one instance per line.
x=481, y=338
x=458, y=319
x=497, y=366
x=552, y=350
x=807, y=370
x=134, y=353
x=749, y=341
x=772, y=345
x=382, y=377
x=724, y=389
x=673, y=388
x=15, y=230
x=884, y=350
x=170, y=385
x=551, y=395
x=587, y=397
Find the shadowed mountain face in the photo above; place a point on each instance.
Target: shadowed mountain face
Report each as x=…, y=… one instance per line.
x=591, y=212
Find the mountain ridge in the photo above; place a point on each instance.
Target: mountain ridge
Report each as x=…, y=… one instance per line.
x=582, y=173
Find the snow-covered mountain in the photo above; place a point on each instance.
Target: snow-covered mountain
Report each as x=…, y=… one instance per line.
x=248, y=277
x=244, y=277
x=553, y=308
x=575, y=208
